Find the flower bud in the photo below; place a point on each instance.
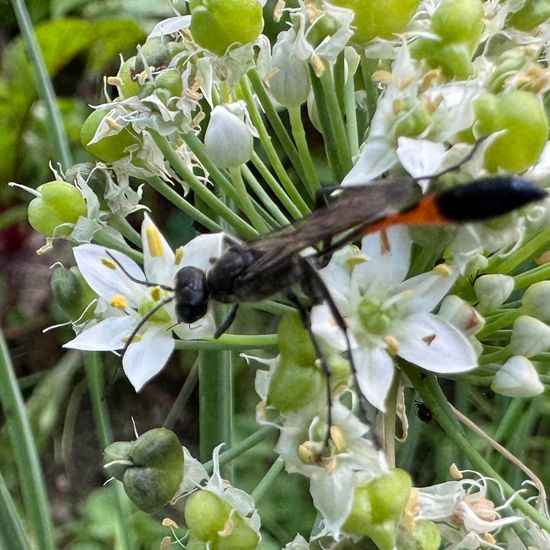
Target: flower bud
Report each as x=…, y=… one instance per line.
x=217, y=24
x=290, y=83
x=72, y=293
x=154, y=468
x=536, y=301
x=58, y=203
x=461, y=314
x=493, y=290
x=517, y=378
x=529, y=336
x=228, y=141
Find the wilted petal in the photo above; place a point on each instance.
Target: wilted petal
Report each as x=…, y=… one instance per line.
x=147, y=357
x=158, y=258
x=375, y=373
x=435, y=345
x=104, y=276
x=107, y=335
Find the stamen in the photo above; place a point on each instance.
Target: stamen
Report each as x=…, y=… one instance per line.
x=443, y=269
x=119, y=301
x=156, y=293
x=113, y=124
x=154, y=241
x=337, y=438
x=393, y=344
x=109, y=263
x=356, y=259
x=180, y=253
x=455, y=472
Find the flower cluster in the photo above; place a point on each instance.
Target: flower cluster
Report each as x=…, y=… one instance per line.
x=433, y=93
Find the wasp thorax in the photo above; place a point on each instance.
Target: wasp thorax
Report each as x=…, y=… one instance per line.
x=190, y=294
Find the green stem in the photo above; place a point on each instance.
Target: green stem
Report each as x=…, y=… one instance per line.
x=246, y=444
x=43, y=84
x=336, y=121
x=427, y=388
x=215, y=401
x=503, y=320
x=126, y=230
x=103, y=238
x=276, y=123
x=508, y=423
x=177, y=200
x=269, y=149
x=532, y=276
x=234, y=342
x=351, y=115
x=529, y=250
x=299, y=134
x=183, y=397
x=368, y=67
x=275, y=186
x=245, y=203
x=12, y=533
x=269, y=478
x=326, y=128
x=495, y=357
x=390, y=418
x=31, y=477
x=264, y=198
x=200, y=190
x=94, y=376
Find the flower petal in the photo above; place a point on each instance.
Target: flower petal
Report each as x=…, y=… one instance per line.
x=158, y=258
x=107, y=335
x=433, y=344
x=147, y=357
x=200, y=251
x=104, y=277
x=324, y=326
x=375, y=373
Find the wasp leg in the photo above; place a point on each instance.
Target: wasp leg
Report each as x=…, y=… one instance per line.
x=227, y=322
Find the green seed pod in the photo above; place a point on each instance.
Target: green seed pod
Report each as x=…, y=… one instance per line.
x=294, y=342
x=458, y=20
x=110, y=148
x=59, y=203
x=72, y=293
x=205, y=515
x=170, y=79
x=128, y=86
x=379, y=19
x=217, y=24
x=389, y=495
x=115, y=458
x=531, y=15
x=155, y=53
x=522, y=117
x=238, y=535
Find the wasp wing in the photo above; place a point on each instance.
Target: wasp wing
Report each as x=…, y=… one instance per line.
x=356, y=208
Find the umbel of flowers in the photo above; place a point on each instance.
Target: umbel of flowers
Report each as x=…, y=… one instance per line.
x=400, y=89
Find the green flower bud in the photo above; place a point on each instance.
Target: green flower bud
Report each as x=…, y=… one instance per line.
x=227, y=141
x=217, y=24
x=205, y=515
x=290, y=83
x=379, y=19
x=59, y=203
x=128, y=86
x=536, y=301
x=116, y=458
x=294, y=341
x=110, y=148
x=493, y=290
x=517, y=378
x=157, y=470
x=458, y=20
x=461, y=314
x=155, y=53
x=522, y=117
x=531, y=15
x=529, y=336
x=72, y=293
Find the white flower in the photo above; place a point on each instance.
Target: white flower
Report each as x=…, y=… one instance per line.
x=332, y=477
x=106, y=271
x=517, y=378
x=387, y=315
x=463, y=505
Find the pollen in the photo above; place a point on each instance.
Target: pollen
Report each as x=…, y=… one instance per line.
x=156, y=293
x=356, y=259
x=154, y=241
x=135, y=339
x=119, y=301
x=489, y=539
x=393, y=344
x=443, y=269
x=113, y=124
x=109, y=263
x=114, y=81
x=337, y=438
x=179, y=255
x=169, y=522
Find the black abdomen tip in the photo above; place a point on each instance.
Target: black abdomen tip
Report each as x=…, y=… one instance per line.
x=487, y=198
